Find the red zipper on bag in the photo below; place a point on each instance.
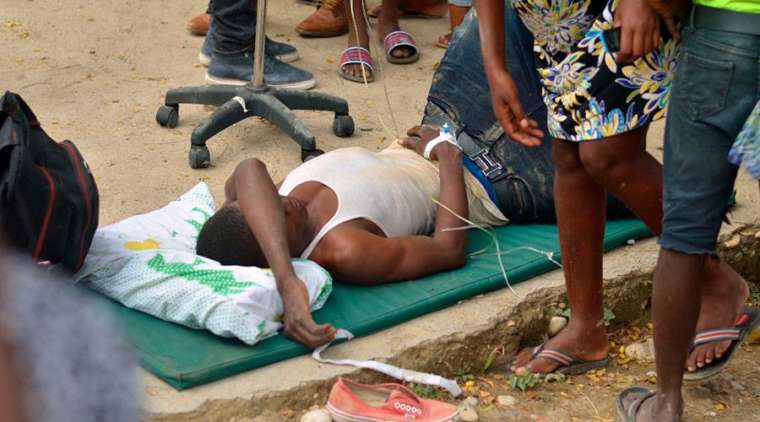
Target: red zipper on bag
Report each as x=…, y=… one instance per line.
x=87, y=197
x=48, y=214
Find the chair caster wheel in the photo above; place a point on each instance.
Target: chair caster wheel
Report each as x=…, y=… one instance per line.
x=199, y=157
x=343, y=125
x=168, y=116
x=308, y=154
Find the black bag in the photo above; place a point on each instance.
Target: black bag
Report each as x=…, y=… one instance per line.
x=48, y=197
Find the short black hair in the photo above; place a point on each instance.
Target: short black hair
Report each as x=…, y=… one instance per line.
x=227, y=239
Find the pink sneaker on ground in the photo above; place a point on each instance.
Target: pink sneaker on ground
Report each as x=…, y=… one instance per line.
x=354, y=402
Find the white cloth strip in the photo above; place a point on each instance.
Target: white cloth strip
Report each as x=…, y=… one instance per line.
x=392, y=371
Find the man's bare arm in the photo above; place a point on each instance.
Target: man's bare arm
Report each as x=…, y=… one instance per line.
x=261, y=206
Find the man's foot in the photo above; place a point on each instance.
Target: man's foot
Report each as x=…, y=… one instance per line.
x=638, y=404
x=444, y=40
x=399, y=46
x=238, y=70
x=586, y=343
x=329, y=20
x=198, y=25
x=723, y=295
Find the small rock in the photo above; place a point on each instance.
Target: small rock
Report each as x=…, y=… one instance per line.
x=757, y=235
x=471, y=401
x=556, y=324
x=733, y=242
x=467, y=414
x=319, y=415
x=630, y=242
x=642, y=351
x=711, y=414
x=506, y=401
x=651, y=374
x=714, y=387
x=511, y=323
x=736, y=386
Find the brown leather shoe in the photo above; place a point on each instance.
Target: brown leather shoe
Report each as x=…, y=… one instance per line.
x=198, y=25
x=329, y=20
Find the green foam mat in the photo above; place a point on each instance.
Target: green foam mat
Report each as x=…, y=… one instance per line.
x=184, y=357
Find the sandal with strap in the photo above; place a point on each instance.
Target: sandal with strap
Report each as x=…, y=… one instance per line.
x=628, y=414
x=569, y=364
x=747, y=322
x=357, y=55
x=397, y=39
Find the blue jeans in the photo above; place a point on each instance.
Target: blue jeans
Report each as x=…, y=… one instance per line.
x=460, y=97
x=717, y=85
x=234, y=25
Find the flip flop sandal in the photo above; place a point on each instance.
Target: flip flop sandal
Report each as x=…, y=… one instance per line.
x=444, y=40
x=569, y=365
x=629, y=414
x=746, y=323
x=397, y=39
x=356, y=55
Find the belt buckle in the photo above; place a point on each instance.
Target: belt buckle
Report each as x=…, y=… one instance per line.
x=493, y=170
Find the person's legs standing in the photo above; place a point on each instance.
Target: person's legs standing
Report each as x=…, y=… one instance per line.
x=710, y=101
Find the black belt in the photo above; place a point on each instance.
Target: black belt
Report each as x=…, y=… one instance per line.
x=725, y=20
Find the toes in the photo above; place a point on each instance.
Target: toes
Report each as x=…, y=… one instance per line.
x=541, y=366
x=402, y=52
x=691, y=362
x=721, y=348
x=522, y=358
x=709, y=355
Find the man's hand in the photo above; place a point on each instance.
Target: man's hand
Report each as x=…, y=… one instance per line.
x=509, y=111
x=297, y=320
x=669, y=10
x=639, y=29
x=420, y=136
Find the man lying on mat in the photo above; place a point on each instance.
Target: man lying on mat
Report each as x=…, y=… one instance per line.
x=370, y=217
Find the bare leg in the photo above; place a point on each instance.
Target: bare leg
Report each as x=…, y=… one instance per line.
x=678, y=282
x=358, y=35
x=622, y=165
x=580, y=203
x=456, y=16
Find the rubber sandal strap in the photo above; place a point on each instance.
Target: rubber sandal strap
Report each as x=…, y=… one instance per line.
x=558, y=356
x=356, y=55
x=633, y=409
x=398, y=39
x=716, y=335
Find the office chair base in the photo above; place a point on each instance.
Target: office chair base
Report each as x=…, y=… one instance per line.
x=236, y=103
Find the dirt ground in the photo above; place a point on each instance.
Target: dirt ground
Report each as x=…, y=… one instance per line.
x=95, y=72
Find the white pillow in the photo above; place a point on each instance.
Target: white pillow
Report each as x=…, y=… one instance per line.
x=148, y=262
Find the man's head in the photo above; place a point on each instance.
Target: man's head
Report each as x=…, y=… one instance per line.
x=227, y=238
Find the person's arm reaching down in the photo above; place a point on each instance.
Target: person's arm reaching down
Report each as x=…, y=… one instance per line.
x=260, y=204
x=367, y=258
x=504, y=93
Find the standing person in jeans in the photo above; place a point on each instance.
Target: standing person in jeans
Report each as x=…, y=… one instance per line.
x=717, y=86
x=228, y=50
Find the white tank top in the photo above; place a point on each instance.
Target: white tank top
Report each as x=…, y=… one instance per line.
x=393, y=189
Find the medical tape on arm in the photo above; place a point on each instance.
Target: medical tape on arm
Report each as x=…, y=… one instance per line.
x=392, y=371
x=443, y=137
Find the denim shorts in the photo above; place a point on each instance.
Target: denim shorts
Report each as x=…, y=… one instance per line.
x=715, y=89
